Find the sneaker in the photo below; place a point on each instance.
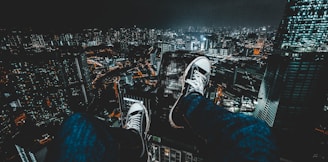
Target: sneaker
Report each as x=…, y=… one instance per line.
x=138, y=119
x=194, y=80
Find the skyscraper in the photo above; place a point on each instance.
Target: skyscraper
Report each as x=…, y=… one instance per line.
x=293, y=92
x=294, y=86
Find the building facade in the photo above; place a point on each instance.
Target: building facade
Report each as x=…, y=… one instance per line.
x=294, y=86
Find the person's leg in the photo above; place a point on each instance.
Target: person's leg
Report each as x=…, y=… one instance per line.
x=84, y=138
x=228, y=136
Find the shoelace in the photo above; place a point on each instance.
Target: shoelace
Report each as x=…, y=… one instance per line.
x=197, y=82
x=134, y=122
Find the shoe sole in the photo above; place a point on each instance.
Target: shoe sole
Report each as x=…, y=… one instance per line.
x=182, y=92
x=144, y=144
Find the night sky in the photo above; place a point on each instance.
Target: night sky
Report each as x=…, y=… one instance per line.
x=143, y=13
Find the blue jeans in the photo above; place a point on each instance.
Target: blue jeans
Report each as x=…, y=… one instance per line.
x=229, y=136
x=83, y=138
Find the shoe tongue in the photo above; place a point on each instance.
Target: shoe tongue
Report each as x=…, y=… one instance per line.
x=202, y=71
x=135, y=113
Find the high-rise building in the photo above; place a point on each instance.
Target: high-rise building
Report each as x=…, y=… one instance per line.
x=293, y=86
x=292, y=93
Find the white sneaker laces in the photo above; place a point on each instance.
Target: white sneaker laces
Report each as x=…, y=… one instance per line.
x=134, y=122
x=197, y=82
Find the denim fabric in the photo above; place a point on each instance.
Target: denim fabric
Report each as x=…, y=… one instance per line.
x=83, y=138
x=234, y=137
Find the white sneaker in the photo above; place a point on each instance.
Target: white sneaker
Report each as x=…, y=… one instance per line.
x=138, y=119
x=195, y=79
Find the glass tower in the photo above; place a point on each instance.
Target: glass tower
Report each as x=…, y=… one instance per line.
x=293, y=89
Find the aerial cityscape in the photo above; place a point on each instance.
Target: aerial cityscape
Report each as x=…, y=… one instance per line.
x=274, y=71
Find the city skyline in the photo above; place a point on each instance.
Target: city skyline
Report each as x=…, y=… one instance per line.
x=240, y=56
x=144, y=13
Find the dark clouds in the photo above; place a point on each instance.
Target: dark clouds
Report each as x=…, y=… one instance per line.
x=148, y=13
